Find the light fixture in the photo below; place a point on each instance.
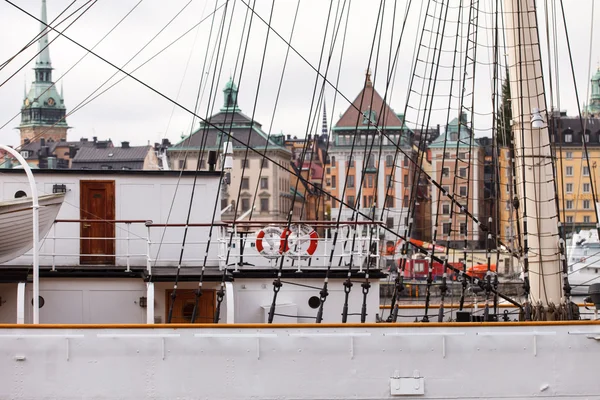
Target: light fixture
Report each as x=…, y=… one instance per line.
x=536, y=118
x=228, y=155
x=143, y=302
x=59, y=188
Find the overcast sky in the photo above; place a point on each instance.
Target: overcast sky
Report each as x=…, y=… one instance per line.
x=130, y=111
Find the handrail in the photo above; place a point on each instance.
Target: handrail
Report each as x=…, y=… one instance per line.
x=113, y=221
x=305, y=222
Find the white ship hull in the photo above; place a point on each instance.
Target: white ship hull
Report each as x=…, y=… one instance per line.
x=368, y=361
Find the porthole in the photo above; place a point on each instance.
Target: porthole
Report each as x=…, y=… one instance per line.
x=314, y=302
x=42, y=302
x=20, y=194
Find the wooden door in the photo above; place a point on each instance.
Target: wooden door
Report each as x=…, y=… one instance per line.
x=184, y=306
x=97, y=236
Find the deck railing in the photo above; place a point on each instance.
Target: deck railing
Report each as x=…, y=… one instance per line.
x=234, y=245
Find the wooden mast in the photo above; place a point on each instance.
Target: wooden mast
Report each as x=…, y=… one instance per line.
x=535, y=189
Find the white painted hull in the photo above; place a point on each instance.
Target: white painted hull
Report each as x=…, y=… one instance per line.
x=458, y=361
x=16, y=224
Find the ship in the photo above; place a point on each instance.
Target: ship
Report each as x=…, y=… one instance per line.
x=202, y=296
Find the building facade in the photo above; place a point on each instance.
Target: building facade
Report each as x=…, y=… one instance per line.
x=368, y=172
x=258, y=177
x=458, y=166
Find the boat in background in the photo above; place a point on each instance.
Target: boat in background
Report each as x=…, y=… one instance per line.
x=16, y=223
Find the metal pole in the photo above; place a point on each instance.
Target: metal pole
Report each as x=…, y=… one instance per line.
x=36, y=231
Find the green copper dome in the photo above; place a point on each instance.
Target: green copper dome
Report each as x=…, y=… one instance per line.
x=230, y=92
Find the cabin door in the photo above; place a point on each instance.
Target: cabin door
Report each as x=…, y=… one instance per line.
x=184, y=306
x=97, y=235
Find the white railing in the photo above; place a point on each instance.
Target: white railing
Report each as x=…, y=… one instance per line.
x=144, y=244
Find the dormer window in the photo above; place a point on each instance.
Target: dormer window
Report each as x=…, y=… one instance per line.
x=25, y=154
x=369, y=116
x=568, y=138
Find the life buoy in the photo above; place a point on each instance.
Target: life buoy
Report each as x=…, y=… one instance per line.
x=271, y=236
x=298, y=235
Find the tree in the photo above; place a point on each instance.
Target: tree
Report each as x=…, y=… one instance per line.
x=504, y=115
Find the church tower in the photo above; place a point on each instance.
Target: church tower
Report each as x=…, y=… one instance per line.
x=43, y=110
x=593, y=109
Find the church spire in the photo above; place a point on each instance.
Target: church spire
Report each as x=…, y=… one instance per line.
x=43, y=111
x=43, y=58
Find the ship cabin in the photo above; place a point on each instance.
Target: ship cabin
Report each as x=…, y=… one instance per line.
x=132, y=246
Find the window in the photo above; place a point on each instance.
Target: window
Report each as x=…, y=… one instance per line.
x=586, y=137
x=445, y=172
x=350, y=201
x=569, y=219
x=462, y=156
x=246, y=183
x=569, y=155
x=569, y=171
x=333, y=161
x=264, y=204
x=586, y=204
x=405, y=201
x=224, y=203
x=264, y=183
x=389, y=160
x=463, y=191
x=351, y=181
x=245, y=163
x=105, y=167
x=389, y=223
x=245, y=204
x=446, y=189
x=586, y=171
x=389, y=181
x=586, y=188
x=406, y=161
x=181, y=164
x=568, y=138
x=389, y=201
x=370, y=180
x=586, y=219
x=463, y=172
x=333, y=182
x=445, y=209
x=446, y=228
x=463, y=228
x=569, y=188
x=265, y=163
x=569, y=204
x=406, y=180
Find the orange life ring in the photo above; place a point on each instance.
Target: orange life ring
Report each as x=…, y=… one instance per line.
x=273, y=233
x=302, y=233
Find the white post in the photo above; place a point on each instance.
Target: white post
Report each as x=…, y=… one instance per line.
x=36, y=231
x=21, y=296
x=229, y=303
x=534, y=168
x=150, y=302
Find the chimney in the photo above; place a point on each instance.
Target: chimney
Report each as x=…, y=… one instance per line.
x=42, y=142
x=95, y=139
x=84, y=140
x=51, y=163
x=212, y=160
x=289, y=137
x=72, y=151
x=125, y=145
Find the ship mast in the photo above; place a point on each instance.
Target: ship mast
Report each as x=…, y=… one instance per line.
x=535, y=191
